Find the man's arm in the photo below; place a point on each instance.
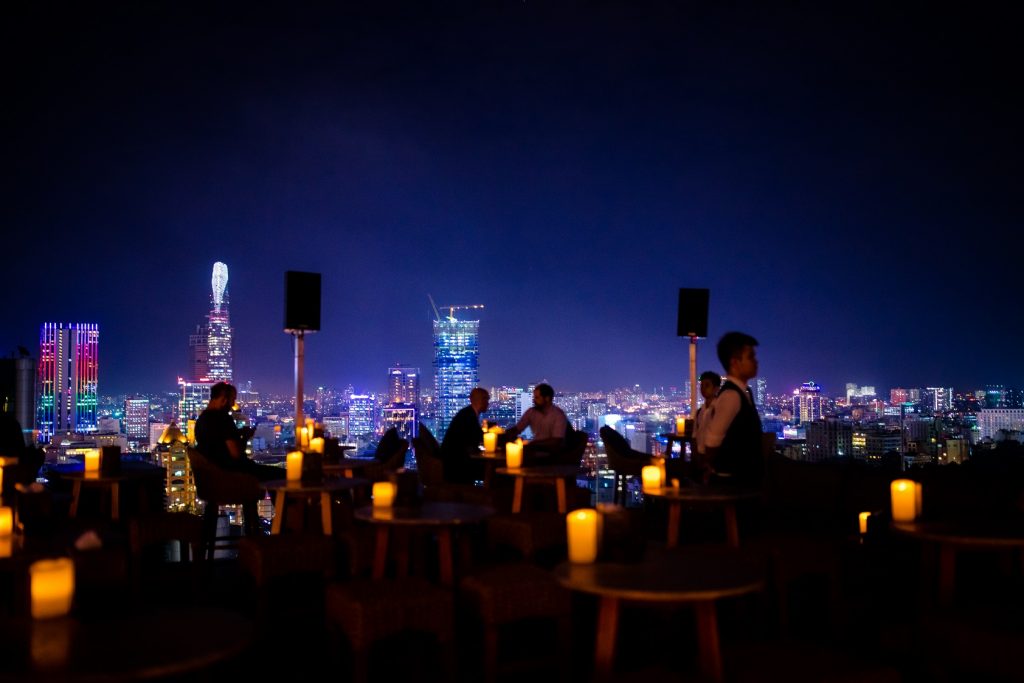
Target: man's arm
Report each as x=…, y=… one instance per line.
x=521, y=426
x=726, y=407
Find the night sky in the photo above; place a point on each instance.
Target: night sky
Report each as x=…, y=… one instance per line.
x=846, y=180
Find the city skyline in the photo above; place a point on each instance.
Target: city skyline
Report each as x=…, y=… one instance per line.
x=846, y=196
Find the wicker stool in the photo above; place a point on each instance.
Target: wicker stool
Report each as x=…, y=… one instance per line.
x=510, y=593
x=528, y=533
x=367, y=611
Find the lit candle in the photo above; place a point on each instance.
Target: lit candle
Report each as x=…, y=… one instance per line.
x=6, y=521
x=660, y=462
x=490, y=442
x=6, y=546
x=52, y=587
x=310, y=428
x=303, y=438
x=918, y=490
x=383, y=494
x=92, y=461
x=680, y=425
x=514, y=454
x=904, y=500
x=651, y=477
x=316, y=444
x=582, y=532
x=294, y=466
x=863, y=518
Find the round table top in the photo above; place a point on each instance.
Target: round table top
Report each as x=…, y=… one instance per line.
x=428, y=514
x=488, y=455
x=993, y=533
x=541, y=471
x=680, y=576
x=122, y=647
x=698, y=494
x=348, y=464
x=324, y=486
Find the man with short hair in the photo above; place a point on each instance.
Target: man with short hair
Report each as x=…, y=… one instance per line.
x=463, y=438
x=220, y=439
x=732, y=439
x=709, y=385
x=546, y=421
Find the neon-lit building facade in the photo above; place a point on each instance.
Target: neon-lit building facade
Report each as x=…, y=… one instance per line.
x=219, y=357
x=136, y=423
x=456, y=367
x=67, y=374
x=807, y=403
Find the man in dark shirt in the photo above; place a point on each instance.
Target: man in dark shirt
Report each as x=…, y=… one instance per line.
x=220, y=439
x=732, y=438
x=463, y=438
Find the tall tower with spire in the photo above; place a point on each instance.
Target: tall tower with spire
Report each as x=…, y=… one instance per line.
x=220, y=359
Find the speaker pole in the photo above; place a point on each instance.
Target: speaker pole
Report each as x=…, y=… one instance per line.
x=300, y=363
x=693, y=376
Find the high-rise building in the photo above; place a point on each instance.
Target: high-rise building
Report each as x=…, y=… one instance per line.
x=219, y=356
x=198, y=355
x=193, y=397
x=807, y=402
x=829, y=439
x=898, y=396
x=456, y=367
x=67, y=375
x=401, y=416
x=939, y=399
x=761, y=393
x=136, y=424
x=362, y=413
x=992, y=420
x=18, y=390
x=403, y=384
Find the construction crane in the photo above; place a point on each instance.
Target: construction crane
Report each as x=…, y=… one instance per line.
x=452, y=308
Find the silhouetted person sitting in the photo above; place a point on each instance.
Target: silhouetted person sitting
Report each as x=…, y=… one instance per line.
x=732, y=440
x=463, y=438
x=546, y=421
x=220, y=439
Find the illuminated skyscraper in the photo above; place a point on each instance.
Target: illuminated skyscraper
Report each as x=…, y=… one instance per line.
x=218, y=341
x=136, y=423
x=403, y=384
x=198, y=354
x=194, y=397
x=67, y=374
x=456, y=367
x=807, y=402
x=362, y=413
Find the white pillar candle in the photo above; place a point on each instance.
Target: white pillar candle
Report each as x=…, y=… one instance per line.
x=52, y=587
x=92, y=461
x=582, y=527
x=6, y=521
x=514, y=454
x=904, y=500
x=862, y=518
x=294, y=466
x=490, y=442
x=383, y=494
x=651, y=477
x=680, y=425
x=316, y=444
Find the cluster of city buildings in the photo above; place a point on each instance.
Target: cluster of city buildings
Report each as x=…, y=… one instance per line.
x=55, y=398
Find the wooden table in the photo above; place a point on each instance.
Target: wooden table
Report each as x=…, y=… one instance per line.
x=322, y=490
x=707, y=496
x=347, y=467
x=966, y=534
x=541, y=474
x=491, y=461
x=440, y=517
x=112, y=482
x=673, y=577
x=121, y=647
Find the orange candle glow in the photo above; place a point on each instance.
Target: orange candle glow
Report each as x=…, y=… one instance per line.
x=904, y=500
x=650, y=475
x=863, y=519
x=52, y=586
x=514, y=454
x=6, y=521
x=582, y=533
x=316, y=444
x=293, y=466
x=383, y=494
x=680, y=425
x=92, y=461
x=490, y=442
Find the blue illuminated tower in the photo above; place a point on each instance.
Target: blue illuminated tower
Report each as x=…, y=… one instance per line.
x=456, y=364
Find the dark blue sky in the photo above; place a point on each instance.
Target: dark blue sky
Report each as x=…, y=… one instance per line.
x=846, y=181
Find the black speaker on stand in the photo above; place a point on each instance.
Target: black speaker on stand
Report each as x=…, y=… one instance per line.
x=692, y=322
x=301, y=315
